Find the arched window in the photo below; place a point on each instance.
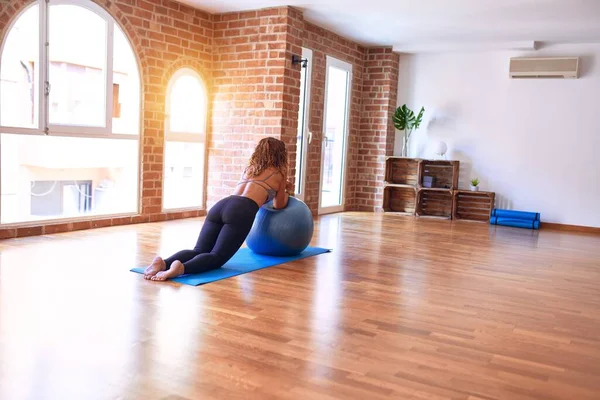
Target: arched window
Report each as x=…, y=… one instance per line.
x=185, y=141
x=69, y=115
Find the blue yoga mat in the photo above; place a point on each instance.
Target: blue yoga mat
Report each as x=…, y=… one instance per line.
x=514, y=214
x=516, y=223
x=245, y=260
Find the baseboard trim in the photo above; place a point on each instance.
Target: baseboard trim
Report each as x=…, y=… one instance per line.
x=569, y=228
x=53, y=227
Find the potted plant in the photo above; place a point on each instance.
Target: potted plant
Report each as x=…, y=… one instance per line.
x=474, y=185
x=405, y=120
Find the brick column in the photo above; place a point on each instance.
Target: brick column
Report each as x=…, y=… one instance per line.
x=256, y=89
x=291, y=85
x=379, y=96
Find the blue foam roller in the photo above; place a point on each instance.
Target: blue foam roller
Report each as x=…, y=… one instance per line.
x=281, y=233
x=516, y=223
x=514, y=214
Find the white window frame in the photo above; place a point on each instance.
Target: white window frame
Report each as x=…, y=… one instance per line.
x=108, y=73
x=307, y=136
x=88, y=132
x=44, y=125
x=41, y=117
x=347, y=67
x=185, y=137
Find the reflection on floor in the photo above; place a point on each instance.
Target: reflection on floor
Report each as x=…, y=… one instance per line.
x=402, y=308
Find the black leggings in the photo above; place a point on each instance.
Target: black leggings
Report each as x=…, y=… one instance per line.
x=226, y=226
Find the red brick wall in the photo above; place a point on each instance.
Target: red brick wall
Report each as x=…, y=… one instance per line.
x=245, y=59
x=256, y=89
x=379, y=94
x=323, y=43
x=256, y=93
x=165, y=35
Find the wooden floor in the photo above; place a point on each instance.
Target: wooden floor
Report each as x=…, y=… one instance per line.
x=401, y=309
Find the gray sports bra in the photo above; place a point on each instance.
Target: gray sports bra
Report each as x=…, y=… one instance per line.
x=271, y=193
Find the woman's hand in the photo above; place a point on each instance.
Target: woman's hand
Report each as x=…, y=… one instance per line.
x=282, y=197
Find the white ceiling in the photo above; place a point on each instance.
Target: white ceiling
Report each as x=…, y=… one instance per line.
x=420, y=25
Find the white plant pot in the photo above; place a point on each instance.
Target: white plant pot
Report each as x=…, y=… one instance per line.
x=474, y=188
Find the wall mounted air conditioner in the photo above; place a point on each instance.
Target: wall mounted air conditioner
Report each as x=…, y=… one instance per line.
x=551, y=67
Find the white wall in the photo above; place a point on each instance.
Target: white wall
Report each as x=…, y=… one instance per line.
x=536, y=143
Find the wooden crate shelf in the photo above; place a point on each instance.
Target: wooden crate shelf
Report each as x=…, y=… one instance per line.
x=444, y=173
x=401, y=200
x=402, y=171
x=434, y=203
x=473, y=206
x=405, y=193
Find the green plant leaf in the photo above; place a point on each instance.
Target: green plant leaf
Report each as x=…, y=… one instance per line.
x=404, y=118
x=475, y=181
x=400, y=118
x=419, y=118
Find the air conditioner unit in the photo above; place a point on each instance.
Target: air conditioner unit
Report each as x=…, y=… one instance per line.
x=554, y=67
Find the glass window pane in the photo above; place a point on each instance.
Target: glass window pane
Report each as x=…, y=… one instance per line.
x=77, y=66
x=19, y=72
x=126, y=87
x=184, y=175
x=335, y=132
x=187, y=105
x=45, y=177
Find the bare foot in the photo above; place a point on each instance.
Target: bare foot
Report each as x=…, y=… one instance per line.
x=157, y=266
x=173, y=272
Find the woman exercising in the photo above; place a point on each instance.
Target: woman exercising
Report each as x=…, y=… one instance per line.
x=229, y=221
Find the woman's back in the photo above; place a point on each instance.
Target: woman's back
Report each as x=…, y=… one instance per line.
x=261, y=188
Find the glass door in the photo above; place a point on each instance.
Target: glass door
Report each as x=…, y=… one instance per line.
x=304, y=136
x=335, y=136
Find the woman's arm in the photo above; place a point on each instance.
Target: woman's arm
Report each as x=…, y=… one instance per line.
x=281, y=199
x=289, y=187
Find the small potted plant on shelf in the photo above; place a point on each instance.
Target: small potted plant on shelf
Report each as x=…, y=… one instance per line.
x=475, y=185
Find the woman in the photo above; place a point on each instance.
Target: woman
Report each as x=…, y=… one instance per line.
x=229, y=221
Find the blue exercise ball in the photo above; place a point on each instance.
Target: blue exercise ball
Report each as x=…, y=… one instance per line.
x=281, y=232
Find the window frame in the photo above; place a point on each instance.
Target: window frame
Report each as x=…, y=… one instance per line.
x=332, y=62
x=108, y=71
x=41, y=84
x=185, y=137
x=43, y=103
x=44, y=128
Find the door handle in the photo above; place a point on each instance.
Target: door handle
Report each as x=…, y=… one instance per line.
x=325, y=139
x=309, y=137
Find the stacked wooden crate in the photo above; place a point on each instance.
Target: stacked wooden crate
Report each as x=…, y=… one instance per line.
x=401, y=183
x=473, y=206
x=429, y=188
x=436, y=200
